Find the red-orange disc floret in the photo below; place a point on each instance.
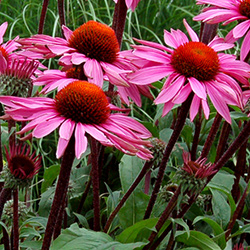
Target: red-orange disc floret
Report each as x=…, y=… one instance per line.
x=73, y=73
x=196, y=59
x=3, y=52
x=245, y=8
x=95, y=40
x=83, y=102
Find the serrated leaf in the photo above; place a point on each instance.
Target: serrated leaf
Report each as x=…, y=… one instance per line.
x=197, y=239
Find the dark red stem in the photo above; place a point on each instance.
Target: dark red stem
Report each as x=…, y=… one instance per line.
x=138, y=179
x=95, y=184
x=119, y=19
x=4, y=196
x=15, y=220
x=43, y=15
x=196, y=136
x=210, y=138
x=147, y=182
x=225, y=131
x=236, y=214
x=239, y=171
x=182, y=114
x=60, y=4
x=165, y=215
x=6, y=239
x=61, y=191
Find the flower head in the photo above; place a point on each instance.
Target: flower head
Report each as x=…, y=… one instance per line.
x=21, y=166
x=192, y=66
x=132, y=4
x=81, y=108
x=193, y=174
x=93, y=46
x=228, y=11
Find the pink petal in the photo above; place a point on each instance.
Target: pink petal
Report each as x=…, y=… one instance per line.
x=194, y=108
x=245, y=47
x=78, y=58
x=183, y=94
x=205, y=108
x=61, y=146
x=94, y=72
x=45, y=128
x=150, y=74
x=67, y=32
x=170, y=92
x=190, y=31
x=198, y=87
x=66, y=129
x=241, y=29
x=167, y=107
x=81, y=141
x=3, y=28
x=218, y=102
x=95, y=133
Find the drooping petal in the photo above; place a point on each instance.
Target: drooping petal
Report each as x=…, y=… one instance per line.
x=81, y=141
x=66, y=129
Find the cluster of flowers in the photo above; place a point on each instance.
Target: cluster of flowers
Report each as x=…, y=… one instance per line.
x=90, y=55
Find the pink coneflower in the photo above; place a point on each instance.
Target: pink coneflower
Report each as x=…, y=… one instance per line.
x=80, y=108
x=228, y=11
x=132, y=4
x=93, y=46
x=192, y=66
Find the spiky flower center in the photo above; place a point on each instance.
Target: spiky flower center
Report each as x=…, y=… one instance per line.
x=95, y=40
x=83, y=102
x=196, y=59
x=245, y=8
x=22, y=167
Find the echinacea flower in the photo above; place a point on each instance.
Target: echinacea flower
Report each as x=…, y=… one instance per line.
x=79, y=109
x=192, y=66
x=16, y=76
x=21, y=166
x=92, y=46
x=193, y=175
x=132, y=4
x=228, y=11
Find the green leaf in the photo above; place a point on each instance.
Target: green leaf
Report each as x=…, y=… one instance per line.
x=34, y=245
x=222, y=181
x=130, y=234
x=199, y=240
x=244, y=229
x=46, y=201
x=28, y=232
x=75, y=238
x=183, y=224
x=218, y=231
x=135, y=206
x=82, y=220
x=221, y=208
x=50, y=175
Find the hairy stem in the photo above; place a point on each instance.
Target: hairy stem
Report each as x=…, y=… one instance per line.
x=60, y=4
x=15, y=220
x=61, y=190
x=95, y=184
x=196, y=136
x=43, y=15
x=182, y=114
x=210, y=138
x=4, y=196
x=165, y=215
